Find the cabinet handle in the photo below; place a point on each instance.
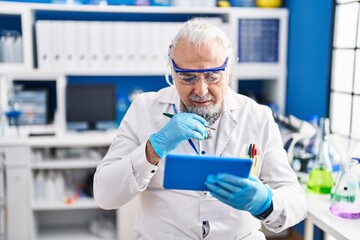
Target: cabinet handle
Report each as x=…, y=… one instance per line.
x=2, y=160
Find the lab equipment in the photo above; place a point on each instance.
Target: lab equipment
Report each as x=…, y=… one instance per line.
x=345, y=196
x=34, y=106
x=13, y=116
x=321, y=176
x=11, y=46
x=182, y=126
x=299, y=131
x=248, y=194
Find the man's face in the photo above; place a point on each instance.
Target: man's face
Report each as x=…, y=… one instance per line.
x=201, y=96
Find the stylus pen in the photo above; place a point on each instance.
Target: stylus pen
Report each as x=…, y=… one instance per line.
x=189, y=140
x=171, y=115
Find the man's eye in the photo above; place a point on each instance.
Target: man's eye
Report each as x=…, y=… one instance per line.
x=212, y=77
x=187, y=77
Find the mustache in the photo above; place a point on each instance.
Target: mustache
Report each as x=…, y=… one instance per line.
x=207, y=97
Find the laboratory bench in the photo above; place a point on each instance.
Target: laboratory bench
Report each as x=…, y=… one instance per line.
x=320, y=216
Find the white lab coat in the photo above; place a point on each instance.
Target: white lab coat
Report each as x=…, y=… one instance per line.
x=124, y=173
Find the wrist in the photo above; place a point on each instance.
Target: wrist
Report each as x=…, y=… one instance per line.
x=151, y=156
x=153, y=140
x=266, y=213
x=267, y=203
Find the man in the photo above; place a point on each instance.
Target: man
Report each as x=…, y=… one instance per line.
x=200, y=57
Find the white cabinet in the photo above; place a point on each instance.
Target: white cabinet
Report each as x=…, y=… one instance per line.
x=74, y=213
x=16, y=193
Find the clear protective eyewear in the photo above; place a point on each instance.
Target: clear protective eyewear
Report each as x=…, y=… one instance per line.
x=211, y=75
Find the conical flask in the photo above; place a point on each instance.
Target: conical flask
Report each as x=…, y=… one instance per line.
x=345, y=196
x=321, y=177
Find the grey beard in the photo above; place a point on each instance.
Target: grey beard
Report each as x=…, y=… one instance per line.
x=209, y=113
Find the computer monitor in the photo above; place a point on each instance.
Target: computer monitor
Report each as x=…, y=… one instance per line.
x=41, y=85
x=90, y=104
x=33, y=106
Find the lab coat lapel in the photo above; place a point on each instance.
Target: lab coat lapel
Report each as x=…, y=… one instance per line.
x=228, y=120
x=226, y=128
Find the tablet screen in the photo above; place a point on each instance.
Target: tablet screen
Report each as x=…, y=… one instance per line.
x=189, y=172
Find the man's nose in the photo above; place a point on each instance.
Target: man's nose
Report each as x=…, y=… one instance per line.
x=201, y=87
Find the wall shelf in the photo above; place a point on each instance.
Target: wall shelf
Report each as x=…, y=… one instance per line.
x=65, y=164
x=53, y=206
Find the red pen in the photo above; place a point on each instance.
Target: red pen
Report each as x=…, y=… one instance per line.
x=253, y=151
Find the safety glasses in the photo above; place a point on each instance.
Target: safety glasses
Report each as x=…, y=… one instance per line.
x=210, y=75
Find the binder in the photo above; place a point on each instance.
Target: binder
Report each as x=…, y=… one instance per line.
x=141, y=41
x=162, y=45
x=57, y=45
x=82, y=45
x=154, y=46
x=119, y=48
x=130, y=50
x=108, y=44
x=42, y=30
x=70, y=46
x=95, y=45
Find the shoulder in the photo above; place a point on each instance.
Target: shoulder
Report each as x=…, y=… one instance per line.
x=241, y=103
x=164, y=95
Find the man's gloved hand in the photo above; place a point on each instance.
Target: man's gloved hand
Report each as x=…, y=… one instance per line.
x=182, y=126
x=248, y=194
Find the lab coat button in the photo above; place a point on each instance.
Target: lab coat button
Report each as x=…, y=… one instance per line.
x=152, y=171
x=203, y=152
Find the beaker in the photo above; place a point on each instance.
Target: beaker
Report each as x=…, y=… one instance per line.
x=345, y=198
x=321, y=176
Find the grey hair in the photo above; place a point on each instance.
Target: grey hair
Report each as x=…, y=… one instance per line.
x=198, y=31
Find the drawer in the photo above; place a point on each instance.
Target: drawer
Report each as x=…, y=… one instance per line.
x=15, y=156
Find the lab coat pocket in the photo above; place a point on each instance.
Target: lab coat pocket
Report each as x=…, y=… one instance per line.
x=212, y=209
x=144, y=232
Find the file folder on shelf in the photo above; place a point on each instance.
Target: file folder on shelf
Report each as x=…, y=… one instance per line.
x=42, y=30
x=70, y=46
x=82, y=45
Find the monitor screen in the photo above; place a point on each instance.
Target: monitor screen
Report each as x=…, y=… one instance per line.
x=39, y=86
x=33, y=106
x=90, y=104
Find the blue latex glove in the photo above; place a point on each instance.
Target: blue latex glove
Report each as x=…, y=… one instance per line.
x=182, y=126
x=248, y=194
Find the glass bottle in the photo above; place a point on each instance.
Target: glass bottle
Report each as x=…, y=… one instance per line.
x=345, y=198
x=321, y=177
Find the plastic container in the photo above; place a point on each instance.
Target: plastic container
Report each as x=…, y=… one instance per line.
x=242, y=3
x=269, y=3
